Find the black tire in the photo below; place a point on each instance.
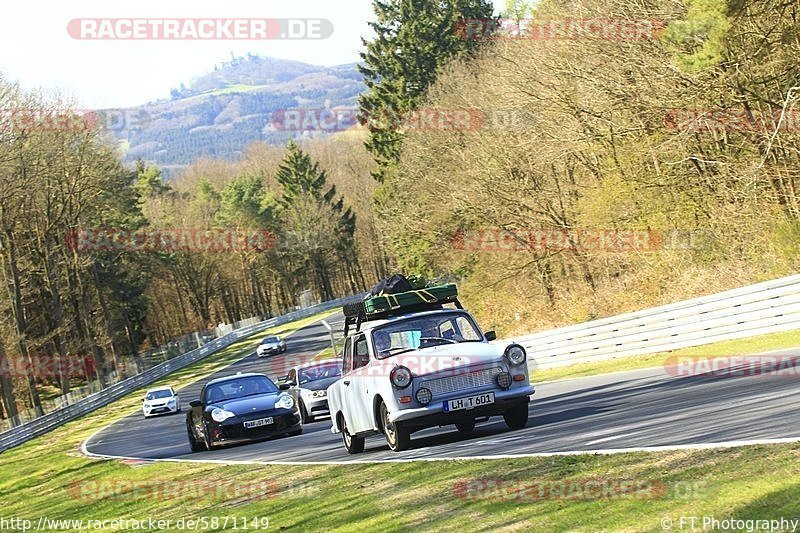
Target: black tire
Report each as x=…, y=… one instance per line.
x=353, y=445
x=193, y=444
x=517, y=417
x=304, y=416
x=465, y=426
x=295, y=432
x=397, y=436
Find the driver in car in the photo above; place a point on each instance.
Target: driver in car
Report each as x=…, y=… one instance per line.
x=382, y=343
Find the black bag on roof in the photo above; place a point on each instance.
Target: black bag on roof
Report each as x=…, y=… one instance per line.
x=392, y=285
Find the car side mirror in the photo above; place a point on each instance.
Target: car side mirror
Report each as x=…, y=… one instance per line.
x=286, y=386
x=490, y=335
x=195, y=403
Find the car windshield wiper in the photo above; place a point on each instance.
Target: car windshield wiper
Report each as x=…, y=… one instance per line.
x=402, y=350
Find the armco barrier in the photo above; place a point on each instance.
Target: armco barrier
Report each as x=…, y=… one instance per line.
x=767, y=307
x=54, y=419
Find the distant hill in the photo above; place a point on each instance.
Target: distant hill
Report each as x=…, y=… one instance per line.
x=223, y=111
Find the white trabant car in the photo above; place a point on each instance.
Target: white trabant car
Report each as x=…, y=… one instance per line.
x=425, y=369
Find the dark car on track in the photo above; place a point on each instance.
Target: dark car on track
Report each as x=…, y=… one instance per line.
x=240, y=408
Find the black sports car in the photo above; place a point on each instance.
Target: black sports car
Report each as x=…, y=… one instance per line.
x=239, y=408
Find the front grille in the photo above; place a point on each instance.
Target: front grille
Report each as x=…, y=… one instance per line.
x=466, y=381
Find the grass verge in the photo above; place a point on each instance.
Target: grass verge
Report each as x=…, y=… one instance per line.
x=48, y=477
x=751, y=345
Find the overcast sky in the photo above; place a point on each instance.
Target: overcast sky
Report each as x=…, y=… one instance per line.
x=37, y=51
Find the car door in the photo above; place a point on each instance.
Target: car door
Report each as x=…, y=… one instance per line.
x=359, y=395
x=348, y=389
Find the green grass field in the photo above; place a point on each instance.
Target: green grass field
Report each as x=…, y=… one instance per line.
x=49, y=477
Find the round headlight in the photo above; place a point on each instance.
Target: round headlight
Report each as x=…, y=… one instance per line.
x=400, y=377
x=424, y=396
x=515, y=354
x=221, y=415
x=284, y=402
x=504, y=380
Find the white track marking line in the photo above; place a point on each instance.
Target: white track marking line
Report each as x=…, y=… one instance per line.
x=611, y=451
x=613, y=437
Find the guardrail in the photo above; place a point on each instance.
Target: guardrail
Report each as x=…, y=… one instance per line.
x=54, y=419
x=768, y=307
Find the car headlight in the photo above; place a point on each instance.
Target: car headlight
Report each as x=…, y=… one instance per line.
x=400, y=377
x=221, y=415
x=319, y=393
x=515, y=354
x=424, y=396
x=171, y=401
x=284, y=402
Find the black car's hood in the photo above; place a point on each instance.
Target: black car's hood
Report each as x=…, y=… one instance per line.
x=318, y=384
x=248, y=404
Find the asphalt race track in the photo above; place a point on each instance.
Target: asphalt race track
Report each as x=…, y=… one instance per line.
x=636, y=409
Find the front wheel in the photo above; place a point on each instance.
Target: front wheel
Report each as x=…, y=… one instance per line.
x=352, y=444
x=398, y=437
x=517, y=417
x=306, y=418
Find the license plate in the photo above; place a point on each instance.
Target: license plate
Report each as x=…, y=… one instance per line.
x=470, y=402
x=258, y=423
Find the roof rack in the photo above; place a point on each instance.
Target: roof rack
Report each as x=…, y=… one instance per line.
x=388, y=305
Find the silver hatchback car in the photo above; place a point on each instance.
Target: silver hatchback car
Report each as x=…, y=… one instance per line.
x=309, y=383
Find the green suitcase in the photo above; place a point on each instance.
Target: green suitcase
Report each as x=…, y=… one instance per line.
x=439, y=294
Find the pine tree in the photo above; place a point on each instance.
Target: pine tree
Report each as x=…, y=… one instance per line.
x=315, y=224
x=414, y=38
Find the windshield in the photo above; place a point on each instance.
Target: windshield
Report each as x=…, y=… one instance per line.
x=423, y=332
x=158, y=394
x=313, y=373
x=270, y=340
x=239, y=388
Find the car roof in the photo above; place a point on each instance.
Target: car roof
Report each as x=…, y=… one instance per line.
x=236, y=376
x=323, y=362
x=372, y=324
x=168, y=387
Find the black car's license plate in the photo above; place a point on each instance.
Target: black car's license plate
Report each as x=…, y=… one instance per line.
x=258, y=423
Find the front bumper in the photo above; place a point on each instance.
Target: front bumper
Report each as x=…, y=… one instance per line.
x=434, y=415
x=317, y=406
x=159, y=410
x=233, y=431
x=261, y=352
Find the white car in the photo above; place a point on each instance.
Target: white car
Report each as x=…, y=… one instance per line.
x=424, y=369
x=270, y=345
x=161, y=400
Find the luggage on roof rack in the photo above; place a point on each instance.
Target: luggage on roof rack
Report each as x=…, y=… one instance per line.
x=385, y=305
